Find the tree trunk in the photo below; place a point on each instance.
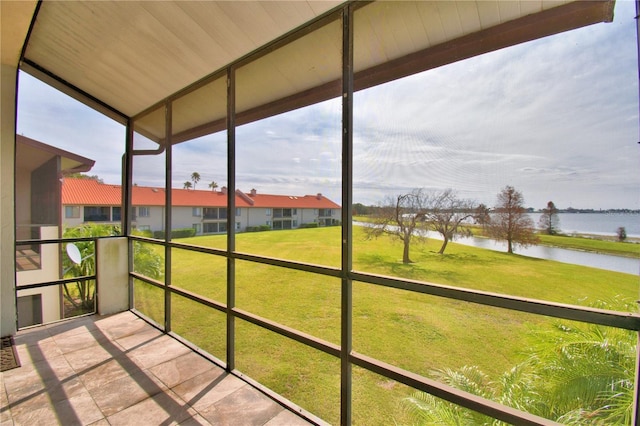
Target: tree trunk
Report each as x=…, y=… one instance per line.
x=444, y=245
x=405, y=253
x=509, y=246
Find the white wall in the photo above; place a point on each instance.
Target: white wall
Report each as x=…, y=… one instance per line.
x=49, y=271
x=113, y=275
x=182, y=217
x=8, y=323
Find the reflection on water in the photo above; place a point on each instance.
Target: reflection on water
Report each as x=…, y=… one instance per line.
x=626, y=265
x=595, y=260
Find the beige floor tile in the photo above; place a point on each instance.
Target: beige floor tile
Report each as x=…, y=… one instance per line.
x=42, y=373
x=206, y=389
x=117, y=328
x=158, y=351
x=32, y=397
x=31, y=336
x=287, y=418
x=107, y=371
x=73, y=342
x=77, y=410
x=143, y=337
x=72, y=326
x=161, y=409
x=92, y=356
x=37, y=351
x=196, y=420
x=126, y=391
x=121, y=367
x=181, y=369
x=245, y=406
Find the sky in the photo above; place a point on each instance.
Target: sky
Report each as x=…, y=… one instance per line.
x=556, y=118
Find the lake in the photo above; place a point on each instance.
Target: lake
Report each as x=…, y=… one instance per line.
x=596, y=223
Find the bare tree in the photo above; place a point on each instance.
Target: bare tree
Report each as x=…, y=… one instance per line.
x=510, y=221
x=401, y=217
x=549, y=220
x=446, y=214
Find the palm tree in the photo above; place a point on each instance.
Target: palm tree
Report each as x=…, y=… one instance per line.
x=577, y=374
x=195, y=177
x=187, y=185
x=213, y=185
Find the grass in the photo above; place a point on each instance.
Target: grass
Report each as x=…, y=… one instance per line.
x=416, y=332
x=593, y=244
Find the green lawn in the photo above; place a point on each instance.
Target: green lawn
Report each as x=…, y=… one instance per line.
x=628, y=249
x=413, y=331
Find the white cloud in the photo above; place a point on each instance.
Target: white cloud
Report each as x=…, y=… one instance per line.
x=557, y=118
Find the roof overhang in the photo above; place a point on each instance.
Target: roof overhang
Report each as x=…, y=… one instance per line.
x=123, y=58
x=31, y=154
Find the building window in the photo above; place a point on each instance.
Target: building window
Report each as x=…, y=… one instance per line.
x=284, y=212
x=143, y=211
x=238, y=211
x=71, y=212
x=238, y=226
x=268, y=213
x=97, y=214
x=215, y=212
x=269, y=223
x=197, y=227
x=214, y=227
x=196, y=211
x=325, y=212
x=282, y=224
x=116, y=213
x=295, y=223
x=29, y=310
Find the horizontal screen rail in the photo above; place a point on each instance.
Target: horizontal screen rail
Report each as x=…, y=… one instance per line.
x=57, y=282
x=451, y=394
x=624, y=320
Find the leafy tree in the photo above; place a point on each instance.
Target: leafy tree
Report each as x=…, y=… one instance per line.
x=85, y=176
x=510, y=221
x=195, y=177
x=213, y=185
x=360, y=209
x=621, y=233
x=481, y=216
x=549, y=220
x=81, y=294
x=187, y=185
x=446, y=214
x=401, y=218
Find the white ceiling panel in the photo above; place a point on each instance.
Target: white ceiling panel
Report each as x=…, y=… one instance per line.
x=131, y=55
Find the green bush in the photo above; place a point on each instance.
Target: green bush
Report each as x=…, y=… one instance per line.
x=308, y=225
x=259, y=228
x=176, y=233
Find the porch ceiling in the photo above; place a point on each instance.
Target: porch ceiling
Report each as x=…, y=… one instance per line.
x=129, y=56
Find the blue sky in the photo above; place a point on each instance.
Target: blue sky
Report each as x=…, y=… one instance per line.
x=556, y=118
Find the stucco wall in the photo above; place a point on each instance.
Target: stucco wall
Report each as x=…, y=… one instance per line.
x=8, y=322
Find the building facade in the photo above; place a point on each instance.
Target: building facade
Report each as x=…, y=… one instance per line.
x=88, y=200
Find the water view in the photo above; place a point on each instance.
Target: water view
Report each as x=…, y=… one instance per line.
x=596, y=223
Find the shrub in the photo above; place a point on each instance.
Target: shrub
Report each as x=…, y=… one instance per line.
x=308, y=225
x=176, y=233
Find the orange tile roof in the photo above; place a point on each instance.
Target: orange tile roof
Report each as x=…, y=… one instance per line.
x=89, y=192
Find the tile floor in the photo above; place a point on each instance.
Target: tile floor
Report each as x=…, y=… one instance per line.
x=119, y=370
